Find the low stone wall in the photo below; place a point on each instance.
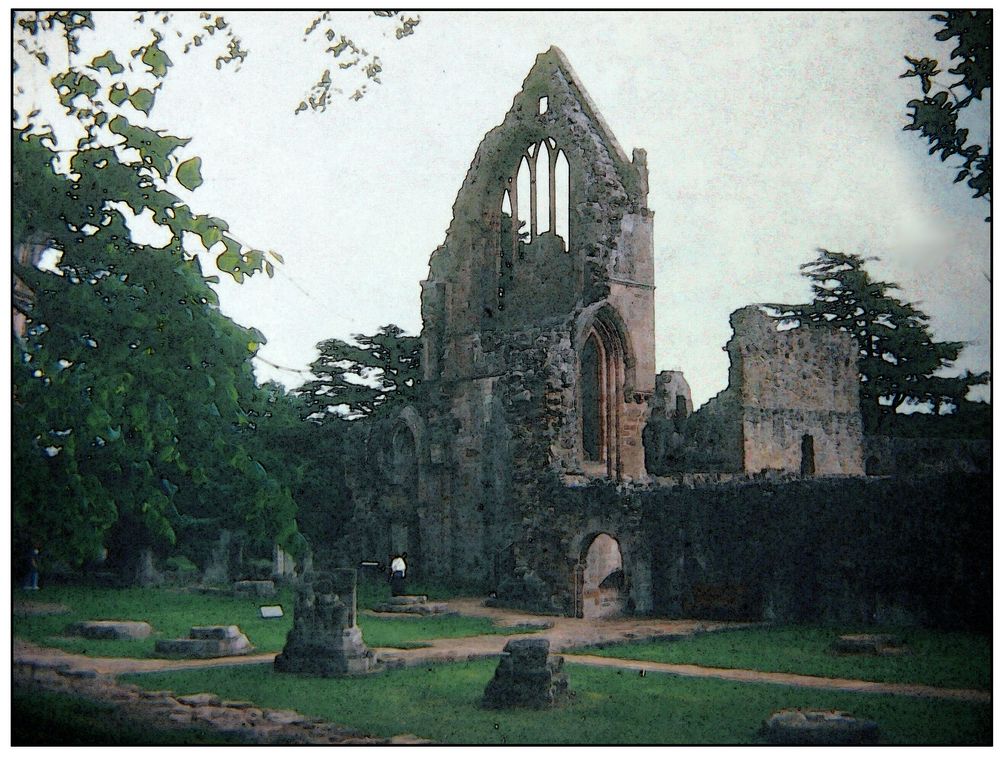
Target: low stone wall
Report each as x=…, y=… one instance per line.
x=843, y=550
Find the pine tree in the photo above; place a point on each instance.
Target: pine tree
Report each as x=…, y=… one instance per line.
x=899, y=358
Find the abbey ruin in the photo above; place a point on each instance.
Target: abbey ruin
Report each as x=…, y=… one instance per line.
x=545, y=460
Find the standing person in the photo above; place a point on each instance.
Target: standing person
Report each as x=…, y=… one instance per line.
x=32, y=583
x=397, y=574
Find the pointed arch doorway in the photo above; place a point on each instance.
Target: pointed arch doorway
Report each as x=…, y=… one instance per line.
x=600, y=579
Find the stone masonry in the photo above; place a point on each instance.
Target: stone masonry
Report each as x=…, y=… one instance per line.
x=325, y=639
x=539, y=379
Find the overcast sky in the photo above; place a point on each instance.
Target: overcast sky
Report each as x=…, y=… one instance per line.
x=768, y=135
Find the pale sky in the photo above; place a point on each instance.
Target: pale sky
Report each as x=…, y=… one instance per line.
x=768, y=135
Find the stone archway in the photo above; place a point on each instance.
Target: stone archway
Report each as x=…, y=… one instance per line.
x=600, y=579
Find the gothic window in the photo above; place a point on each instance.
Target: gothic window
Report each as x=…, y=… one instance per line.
x=404, y=457
x=602, y=380
x=592, y=399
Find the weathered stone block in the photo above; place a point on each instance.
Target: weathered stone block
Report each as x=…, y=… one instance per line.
x=869, y=643
x=325, y=639
x=207, y=641
x=254, y=588
x=110, y=629
x=215, y=632
x=526, y=676
x=819, y=728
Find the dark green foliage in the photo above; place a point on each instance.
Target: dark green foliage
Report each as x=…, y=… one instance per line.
x=382, y=369
x=899, y=359
x=131, y=390
x=936, y=116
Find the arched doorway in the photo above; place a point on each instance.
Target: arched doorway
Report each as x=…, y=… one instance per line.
x=600, y=579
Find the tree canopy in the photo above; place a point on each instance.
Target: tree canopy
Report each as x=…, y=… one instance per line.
x=900, y=362
x=936, y=115
x=355, y=380
x=131, y=389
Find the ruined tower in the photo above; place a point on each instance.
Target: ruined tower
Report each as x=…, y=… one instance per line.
x=538, y=319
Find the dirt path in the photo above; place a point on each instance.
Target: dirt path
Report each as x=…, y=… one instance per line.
x=785, y=679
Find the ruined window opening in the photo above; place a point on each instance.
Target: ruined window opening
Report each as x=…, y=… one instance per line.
x=560, y=191
x=681, y=406
x=808, y=466
x=521, y=201
x=543, y=105
x=404, y=453
x=543, y=190
x=535, y=202
x=592, y=399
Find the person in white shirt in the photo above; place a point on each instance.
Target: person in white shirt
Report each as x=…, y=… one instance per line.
x=397, y=574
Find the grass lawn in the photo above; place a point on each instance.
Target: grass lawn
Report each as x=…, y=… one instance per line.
x=949, y=659
x=41, y=718
x=441, y=703
x=172, y=612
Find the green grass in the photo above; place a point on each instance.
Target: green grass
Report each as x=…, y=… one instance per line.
x=172, y=612
x=46, y=718
x=441, y=703
x=938, y=658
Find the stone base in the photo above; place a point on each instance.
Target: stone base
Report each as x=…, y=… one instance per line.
x=819, y=728
x=415, y=604
x=207, y=641
x=327, y=654
x=110, y=629
x=870, y=643
x=527, y=676
x=254, y=589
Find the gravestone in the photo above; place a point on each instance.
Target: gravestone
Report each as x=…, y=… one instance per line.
x=325, y=639
x=207, y=641
x=527, y=676
x=819, y=728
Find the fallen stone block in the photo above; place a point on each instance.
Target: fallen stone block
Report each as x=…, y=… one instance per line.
x=254, y=589
x=408, y=599
x=819, y=728
x=207, y=641
x=200, y=700
x=110, y=629
x=869, y=643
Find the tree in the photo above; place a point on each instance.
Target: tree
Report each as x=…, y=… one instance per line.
x=936, y=116
x=131, y=389
x=355, y=380
x=129, y=386
x=133, y=395
x=899, y=359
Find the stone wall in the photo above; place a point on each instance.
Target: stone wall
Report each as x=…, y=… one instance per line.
x=849, y=551
x=792, y=404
